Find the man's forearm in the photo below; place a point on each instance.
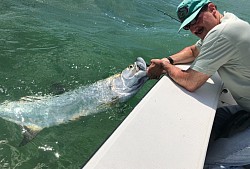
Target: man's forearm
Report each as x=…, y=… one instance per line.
x=189, y=79
x=186, y=55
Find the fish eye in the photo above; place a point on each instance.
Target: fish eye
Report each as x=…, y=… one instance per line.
x=130, y=66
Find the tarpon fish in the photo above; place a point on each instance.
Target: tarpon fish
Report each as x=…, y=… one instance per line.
x=36, y=113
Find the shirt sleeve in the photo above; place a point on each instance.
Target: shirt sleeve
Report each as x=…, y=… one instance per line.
x=215, y=51
x=198, y=44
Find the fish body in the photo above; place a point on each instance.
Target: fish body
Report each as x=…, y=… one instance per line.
x=47, y=111
x=36, y=113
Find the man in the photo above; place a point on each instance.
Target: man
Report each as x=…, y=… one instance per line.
x=224, y=46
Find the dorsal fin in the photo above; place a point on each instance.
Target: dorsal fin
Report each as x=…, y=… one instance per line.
x=32, y=98
x=29, y=133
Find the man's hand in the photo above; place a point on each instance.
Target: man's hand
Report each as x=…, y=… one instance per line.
x=156, y=68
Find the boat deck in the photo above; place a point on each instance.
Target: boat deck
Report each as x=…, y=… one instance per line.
x=168, y=129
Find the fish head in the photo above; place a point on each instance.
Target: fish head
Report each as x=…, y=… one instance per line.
x=131, y=79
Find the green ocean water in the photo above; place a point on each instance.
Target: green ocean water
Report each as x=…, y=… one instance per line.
x=73, y=43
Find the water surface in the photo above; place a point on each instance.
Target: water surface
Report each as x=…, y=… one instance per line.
x=72, y=43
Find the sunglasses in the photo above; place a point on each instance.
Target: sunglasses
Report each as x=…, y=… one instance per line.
x=203, y=9
x=187, y=27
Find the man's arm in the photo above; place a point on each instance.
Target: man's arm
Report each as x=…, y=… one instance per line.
x=189, y=79
x=186, y=55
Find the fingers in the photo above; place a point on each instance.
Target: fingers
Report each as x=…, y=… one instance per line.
x=156, y=61
x=155, y=69
x=165, y=60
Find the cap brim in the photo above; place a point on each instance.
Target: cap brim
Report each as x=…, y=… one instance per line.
x=189, y=19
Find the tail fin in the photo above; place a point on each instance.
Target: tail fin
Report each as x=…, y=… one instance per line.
x=29, y=134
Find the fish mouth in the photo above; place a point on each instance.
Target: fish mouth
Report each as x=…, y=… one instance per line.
x=132, y=78
x=141, y=64
x=135, y=75
x=132, y=74
x=141, y=74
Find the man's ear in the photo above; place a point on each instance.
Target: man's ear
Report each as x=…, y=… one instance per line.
x=212, y=8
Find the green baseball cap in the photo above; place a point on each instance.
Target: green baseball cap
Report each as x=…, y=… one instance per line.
x=188, y=10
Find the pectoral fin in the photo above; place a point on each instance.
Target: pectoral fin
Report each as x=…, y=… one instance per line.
x=114, y=101
x=29, y=133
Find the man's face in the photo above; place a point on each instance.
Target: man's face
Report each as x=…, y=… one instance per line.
x=205, y=22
